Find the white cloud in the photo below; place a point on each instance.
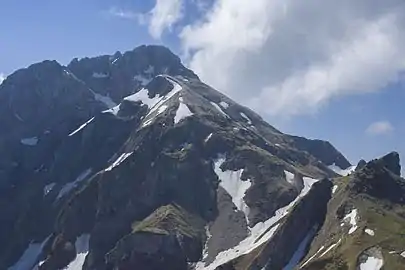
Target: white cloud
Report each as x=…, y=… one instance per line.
x=286, y=57
x=125, y=14
x=164, y=15
x=380, y=128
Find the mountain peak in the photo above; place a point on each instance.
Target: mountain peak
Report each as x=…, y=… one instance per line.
x=392, y=162
x=159, y=170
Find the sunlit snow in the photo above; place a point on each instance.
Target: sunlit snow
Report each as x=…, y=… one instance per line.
x=224, y=104
x=403, y=254
x=351, y=218
x=289, y=177
x=182, y=112
x=117, y=162
x=219, y=109
x=82, y=249
x=113, y=110
x=81, y=127
x=30, y=141
x=259, y=234
x=158, y=105
x=142, y=95
x=313, y=256
x=231, y=181
x=372, y=264
x=330, y=248
x=208, y=138
x=246, y=118
x=369, y=232
x=335, y=187
x=340, y=171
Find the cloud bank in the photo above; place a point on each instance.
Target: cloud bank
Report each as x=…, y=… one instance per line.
x=288, y=57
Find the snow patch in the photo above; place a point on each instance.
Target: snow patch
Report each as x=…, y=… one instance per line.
x=231, y=181
x=82, y=249
x=300, y=252
x=48, y=188
x=159, y=106
x=113, y=110
x=98, y=75
x=335, y=187
x=69, y=186
x=182, y=112
x=259, y=234
x=208, y=137
x=219, y=109
x=142, y=96
x=403, y=254
x=81, y=127
x=209, y=235
x=369, y=232
x=118, y=161
x=30, y=141
x=313, y=256
x=372, y=264
x=340, y=171
x=30, y=256
x=351, y=218
x=246, y=118
x=289, y=177
x=330, y=248
x=224, y=104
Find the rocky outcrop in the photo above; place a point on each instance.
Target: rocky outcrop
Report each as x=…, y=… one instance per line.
x=310, y=212
x=322, y=150
x=363, y=220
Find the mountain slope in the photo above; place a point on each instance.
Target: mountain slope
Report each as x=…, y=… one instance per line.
x=160, y=172
x=365, y=224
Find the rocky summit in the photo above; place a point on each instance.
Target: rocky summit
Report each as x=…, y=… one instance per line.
x=130, y=161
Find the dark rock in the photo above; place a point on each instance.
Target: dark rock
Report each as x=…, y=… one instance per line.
x=392, y=162
x=360, y=165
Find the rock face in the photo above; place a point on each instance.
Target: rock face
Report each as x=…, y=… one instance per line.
x=129, y=161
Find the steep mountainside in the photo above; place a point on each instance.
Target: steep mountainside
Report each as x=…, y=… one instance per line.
x=131, y=162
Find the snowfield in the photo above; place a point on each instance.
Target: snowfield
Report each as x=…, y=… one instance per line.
x=351, y=218
x=81, y=127
x=340, y=171
x=182, y=111
x=261, y=233
x=372, y=264
x=231, y=181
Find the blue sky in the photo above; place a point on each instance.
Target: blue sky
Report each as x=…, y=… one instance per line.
x=322, y=70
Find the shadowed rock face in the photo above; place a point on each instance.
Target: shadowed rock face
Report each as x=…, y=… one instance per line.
x=129, y=161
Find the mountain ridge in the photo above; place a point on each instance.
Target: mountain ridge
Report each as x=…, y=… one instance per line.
x=164, y=173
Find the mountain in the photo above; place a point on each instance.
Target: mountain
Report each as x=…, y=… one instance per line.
x=130, y=161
